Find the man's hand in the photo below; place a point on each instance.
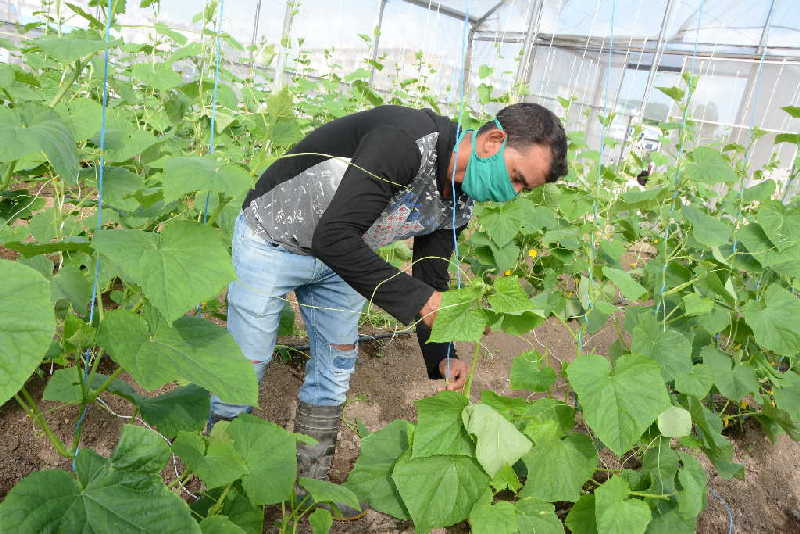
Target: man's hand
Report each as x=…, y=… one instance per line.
x=458, y=373
x=428, y=311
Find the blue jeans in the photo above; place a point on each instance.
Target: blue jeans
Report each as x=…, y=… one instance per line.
x=265, y=273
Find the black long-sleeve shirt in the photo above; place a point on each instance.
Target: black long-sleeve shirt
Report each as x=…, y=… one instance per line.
x=361, y=182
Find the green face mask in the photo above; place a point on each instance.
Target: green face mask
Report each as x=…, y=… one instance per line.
x=487, y=178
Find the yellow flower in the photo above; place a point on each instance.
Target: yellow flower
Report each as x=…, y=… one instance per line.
x=656, y=242
x=743, y=404
x=725, y=420
x=508, y=272
x=533, y=253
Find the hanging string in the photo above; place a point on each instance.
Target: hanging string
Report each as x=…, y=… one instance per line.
x=595, y=204
x=681, y=148
x=212, y=145
x=87, y=356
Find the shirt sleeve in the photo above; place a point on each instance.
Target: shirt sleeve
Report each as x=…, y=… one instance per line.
x=432, y=254
x=386, y=160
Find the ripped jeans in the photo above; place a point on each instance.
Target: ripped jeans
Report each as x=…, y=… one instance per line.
x=265, y=273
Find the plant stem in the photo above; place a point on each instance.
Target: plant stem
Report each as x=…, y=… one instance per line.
x=105, y=385
x=214, y=510
x=473, y=366
x=62, y=91
x=32, y=410
x=662, y=496
x=8, y=175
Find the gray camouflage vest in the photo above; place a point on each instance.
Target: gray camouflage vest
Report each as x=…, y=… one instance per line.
x=288, y=214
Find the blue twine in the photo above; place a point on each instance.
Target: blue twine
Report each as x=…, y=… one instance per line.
x=603, y=133
x=217, y=60
x=681, y=149
x=454, y=200
x=87, y=356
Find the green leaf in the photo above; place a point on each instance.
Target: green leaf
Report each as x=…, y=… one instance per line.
x=217, y=463
x=794, y=111
x=538, y=517
x=509, y=297
x=270, y=453
x=439, y=429
x=768, y=319
x=498, y=442
x=121, y=495
x=324, y=491
x=709, y=231
x=371, y=478
x=56, y=140
x=697, y=382
x=500, y=227
x=616, y=513
x=140, y=450
x=193, y=349
x=70, y=284
x=125, y=143
x=675, y=93
x=630, y=288
x=235, y=507
x=718, y=449
x=67, y=49
x=580, y=518
x=693, y=479
x=187, y=174
x=518, y=325
x=157, y=75
x=787, y=394
x=619, y=405
x=732, y=379
x=27, y=325
x=669, y=347
x=667, y=520
x=659, y=465
x=183, y=265
x=500, y=518
x=321, y=521
x=787, y=138
x=709, y=166
x=219, y=524
x=163, y=29
x=458, y=319
x=184, y=408
x=781, y=228
x=761, y=192
x=439, y=491
x=675, y=422
x=484, y=71
x=530, y=372
x=558, y=468
x=697, y=305
x=64, y=386
x=548, y=419
x=119, y=187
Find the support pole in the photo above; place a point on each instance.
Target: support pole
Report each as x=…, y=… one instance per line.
x=376, y=43
x=660, y=45
x=525, y=66
x=285, y=44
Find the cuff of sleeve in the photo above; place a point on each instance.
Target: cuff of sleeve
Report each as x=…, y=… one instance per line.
x=433, y=353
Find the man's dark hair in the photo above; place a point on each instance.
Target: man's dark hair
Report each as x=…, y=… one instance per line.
x=527, y=123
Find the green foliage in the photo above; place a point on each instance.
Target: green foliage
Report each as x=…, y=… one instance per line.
x=27, y=326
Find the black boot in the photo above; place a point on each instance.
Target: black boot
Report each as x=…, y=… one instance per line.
x=314, y=461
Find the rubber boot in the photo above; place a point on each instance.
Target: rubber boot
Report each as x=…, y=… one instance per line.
x=314, y=461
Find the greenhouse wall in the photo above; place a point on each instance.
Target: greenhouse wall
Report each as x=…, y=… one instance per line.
x=605, y=55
